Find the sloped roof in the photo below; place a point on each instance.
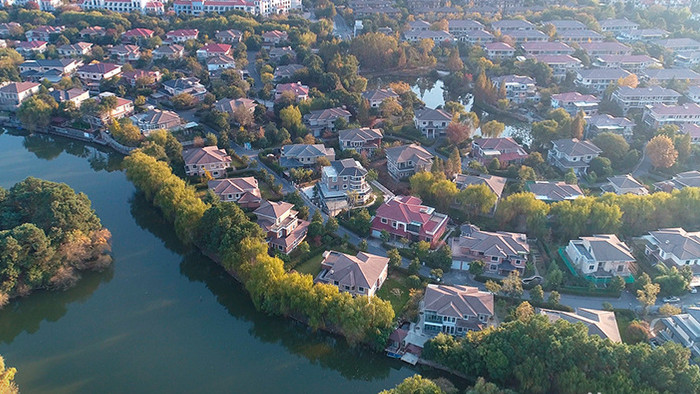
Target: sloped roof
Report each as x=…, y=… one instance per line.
x=328, y=113
x=574, y=147
x=413, y=152
x=18, y=87
x=379, y=94
x=495, y=183
x=306, y=150
x=362, y=134
x=273, y=209
x=230, y=105
x=678, y=242
x=607, y=247
x=408, y=209
x=432, y=114
x=458, y=301
x=138, y=32
x=501, y=243
x=554, y=191
x=158, y=117
x=205, y=155
x=235, y=185
x=575, y=97
x=362, y=270
x=215, y=48
x=99, y=68
x=347, y=167
x=601, y=323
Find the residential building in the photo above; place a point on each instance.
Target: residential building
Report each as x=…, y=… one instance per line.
x=618, y=25
x=553, y=191
x=501, y=252
x=172, y=51
x=296, y=89
x=324, y=119
x=75, y=50
x=505, y=149
x=229, y=36
x=624, y=184
x=145, y=6
x=125, y=53
x=665, y=75
x=284, y=230
x=693, y=93
x=12, y=94
x=683, y=329
x=644, y=35
x=595, y=49
x=687, y=59
x=520, y=36
x=506, y=26
x=575, y=102
x=658, y=115
x=597, y=80
x=189, y=85
x=678, y=182
x=461, y=27
x=404, y=161
x=343, y=186
x=376, y=97
x=31, y=48
x=213, y=49
x=694, y=131
x=44, y=5
x=10, y=29
x=638, y=98
x=198, y=7
x=244, y=191
x=495, y=183
x=406, y=217
x=674, y=247
x=546, y=48
x=631, y=63
x=43, y=33
x=476, y=37
x=77, y=96
x=276, y=54
x=455, y=310
x=437, y=36
x=679, y=45
x=304, y=155
x=418, y=25
x=286, y=71
x=607, y=123
x=572, y=154
x=498, y=50
x=358, y=275
x=96, y=72
x=92, y=32
x=600, y=256
x=274, y=37
x=230, y=105
x=137, y=35
x=363, y=140
x=141, y=77
x=39, y=68
x=122, y=109
x=566, y=25
x=155, y=119
x=220, y=62
x=181, y=35
x=579, y=36
x=519, y=89
x=600, y=323
x=210, y=159
x=432, y=123
x=561, y=65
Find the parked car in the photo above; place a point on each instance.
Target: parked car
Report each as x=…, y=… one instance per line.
x=693, y=290
x=671, y=300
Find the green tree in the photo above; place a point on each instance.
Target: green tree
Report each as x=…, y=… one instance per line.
x=669, y=310
x=537, y=294
x=363, y=245
x=331, y=225
x=617, y=283
x=415, y=384
x=493, y=286
x=637, y=332
x=492, y=129
x=613, y=145
x=414, y=266
x=7, y=378
x=512, y=285
x=647, y=295
x=661, y=152
x=125, y=132
x=554, y=298
x=476, y=267
x=394, y=257
x=570, y=177
x=35, y=112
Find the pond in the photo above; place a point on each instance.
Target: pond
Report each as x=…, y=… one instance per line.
x=163, y=318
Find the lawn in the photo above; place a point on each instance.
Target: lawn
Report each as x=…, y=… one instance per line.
x=267, y=192
x=311, y=266
x=395, y=290
x=624, y=317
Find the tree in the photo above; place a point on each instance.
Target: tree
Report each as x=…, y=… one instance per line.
x=637, y=332
x=476, y=267
x=454, y=63
x=578, y=124
x=512, y=284
x=331, y=225
x=492, y=286
x=492, y=129
x=436, y=273
x=617, y=284
x=613, y=145
x=414, y=266
x=537, y=294
x=125, y=132
x=210, y=139
x=291, y=118
x=454, y=164
x=524, y=311
x=647, y=295
x=243, y=116
x=570, y=177
x=7, y=379
x=458, y=133
x=363, y=246
x=303, y=247
x=629, y=81
x=669, y=310
x=554, y=297
x=35, y=112
x=601, y=166
x=415, y=384
x=661, y=152
x=394, y=257
x=476, y=199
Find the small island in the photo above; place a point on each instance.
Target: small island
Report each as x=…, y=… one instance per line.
x=48, y=234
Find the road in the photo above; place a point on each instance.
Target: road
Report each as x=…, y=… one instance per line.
x=253, y=71
x=341, y=29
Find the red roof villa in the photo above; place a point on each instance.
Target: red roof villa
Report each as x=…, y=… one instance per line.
x=505, y=149
x=279, y=221
x=406, y=217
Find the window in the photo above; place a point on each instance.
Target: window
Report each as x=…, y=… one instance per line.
x=493, y=267
x=494, y=258
x=384, y=220
x=335, y=282
x=591, y=267
x=361, y=289
x=620, y=268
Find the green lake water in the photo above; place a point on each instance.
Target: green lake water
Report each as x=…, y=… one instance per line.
x=163, y=318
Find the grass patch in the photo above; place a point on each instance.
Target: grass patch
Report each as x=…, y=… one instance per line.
x=624, y=317
x=312, y=266
x=395, y=290
x=267, y=192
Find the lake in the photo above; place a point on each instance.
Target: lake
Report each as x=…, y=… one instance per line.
x=163, y=318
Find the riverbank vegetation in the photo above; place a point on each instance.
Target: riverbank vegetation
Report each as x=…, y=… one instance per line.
x=48, y=233
x=7, y=379
x=532, y=355
x=223, y=231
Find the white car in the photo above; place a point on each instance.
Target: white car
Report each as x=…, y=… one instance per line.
x=671, y=300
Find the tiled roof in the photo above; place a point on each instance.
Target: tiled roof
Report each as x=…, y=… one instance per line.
x=235, y=185
x=362, y=270
x=495, y=183
x=205, y=155
x=432, y=114
x=458, y=301
x=554, y=191
x=600, y=323
x=362, y=134
x=413, y=152
x=574, y=147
